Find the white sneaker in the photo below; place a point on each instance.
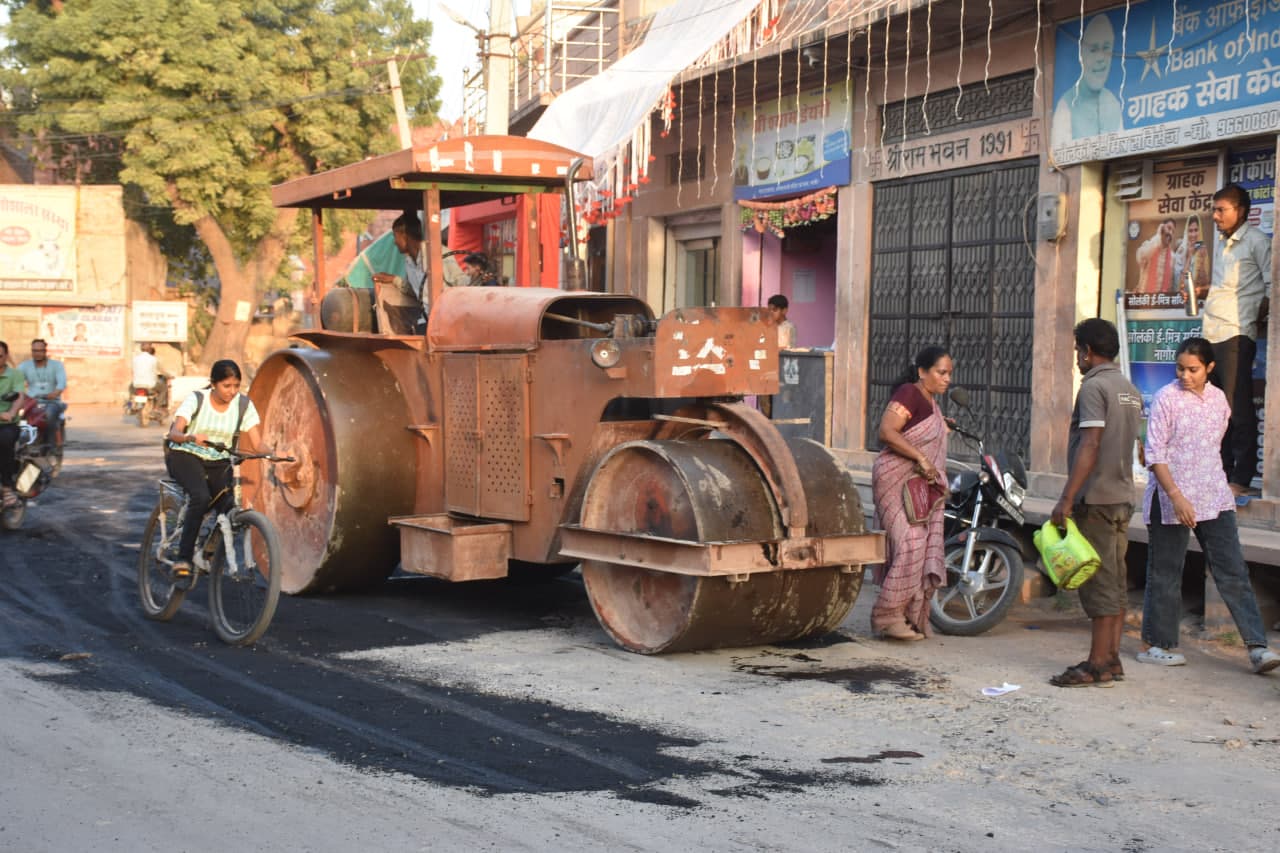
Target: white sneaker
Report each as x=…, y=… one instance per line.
x=1160, y=657
x=1263, y=659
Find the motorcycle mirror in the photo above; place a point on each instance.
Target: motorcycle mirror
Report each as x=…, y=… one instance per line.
x=959, y=396
x=10, y=397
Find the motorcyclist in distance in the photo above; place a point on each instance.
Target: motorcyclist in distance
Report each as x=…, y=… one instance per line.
x=11, y=382
x=147, y=374
x=46, y=381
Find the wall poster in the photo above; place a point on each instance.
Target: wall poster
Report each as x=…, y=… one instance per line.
x=37, y=238
x=1170, y=242
x=84, y=332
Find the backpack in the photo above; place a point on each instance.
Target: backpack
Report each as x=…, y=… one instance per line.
x=235, y=437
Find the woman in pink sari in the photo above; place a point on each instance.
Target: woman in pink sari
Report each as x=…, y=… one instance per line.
x=913, y=438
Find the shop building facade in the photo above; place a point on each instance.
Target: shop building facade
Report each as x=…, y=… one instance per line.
x=992, y=199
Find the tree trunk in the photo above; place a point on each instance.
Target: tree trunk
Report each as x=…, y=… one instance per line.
x=240, y=285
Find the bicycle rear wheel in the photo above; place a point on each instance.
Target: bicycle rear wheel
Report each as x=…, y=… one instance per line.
x=160, y=598
x=244, y=586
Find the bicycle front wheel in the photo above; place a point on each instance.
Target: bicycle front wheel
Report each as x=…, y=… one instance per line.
x=160, y=598
x=244, y=587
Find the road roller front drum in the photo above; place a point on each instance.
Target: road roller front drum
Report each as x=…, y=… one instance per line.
x=710, y=490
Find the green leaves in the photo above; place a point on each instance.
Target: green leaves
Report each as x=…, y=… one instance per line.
x=202, y=105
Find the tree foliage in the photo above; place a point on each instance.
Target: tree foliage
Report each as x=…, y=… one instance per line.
x=201, y=105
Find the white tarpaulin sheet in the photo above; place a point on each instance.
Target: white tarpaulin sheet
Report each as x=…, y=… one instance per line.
x=601, y=113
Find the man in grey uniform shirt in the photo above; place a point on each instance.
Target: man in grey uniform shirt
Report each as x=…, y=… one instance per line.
x=1099, y=494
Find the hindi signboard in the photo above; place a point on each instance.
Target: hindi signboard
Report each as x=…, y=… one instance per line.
x=37, y=238
x=160, y=321
x=793, y=145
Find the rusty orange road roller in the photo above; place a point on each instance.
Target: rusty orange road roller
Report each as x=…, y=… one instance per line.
x=542, y=428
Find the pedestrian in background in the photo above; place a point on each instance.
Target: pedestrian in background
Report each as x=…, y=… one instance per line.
x=1188, y=491
x=777, y=307
x=1234, y=304
x=1098, y=494
x=913, y=436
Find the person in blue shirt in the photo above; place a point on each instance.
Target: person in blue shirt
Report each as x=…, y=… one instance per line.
x=46, y=381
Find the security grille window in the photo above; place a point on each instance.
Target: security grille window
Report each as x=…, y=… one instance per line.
x=952, y=265
x=1001, y=99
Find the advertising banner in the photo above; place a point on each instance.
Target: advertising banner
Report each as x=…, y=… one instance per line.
x=37, y=238
x=1163, y=74
x=160, y=321
x=84, y=332
x=1170, y=242
x=794, y=145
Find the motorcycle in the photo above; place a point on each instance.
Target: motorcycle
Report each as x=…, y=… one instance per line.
x=984, y=566
x=143, y=405
x=39, y=461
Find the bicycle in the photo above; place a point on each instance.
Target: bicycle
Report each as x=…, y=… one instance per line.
x=238, y=548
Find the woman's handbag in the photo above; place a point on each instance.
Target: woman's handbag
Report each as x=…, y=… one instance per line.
x=921, y=497
x=1069, y=560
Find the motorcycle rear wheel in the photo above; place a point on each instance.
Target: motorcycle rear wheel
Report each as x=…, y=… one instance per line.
x=966, y=607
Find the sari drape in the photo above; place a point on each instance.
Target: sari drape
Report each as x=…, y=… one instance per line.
x=913, y=566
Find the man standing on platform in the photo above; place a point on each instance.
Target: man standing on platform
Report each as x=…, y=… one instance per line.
x=1234, y=305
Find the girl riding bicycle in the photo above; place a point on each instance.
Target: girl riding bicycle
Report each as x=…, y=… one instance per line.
x=219, y=414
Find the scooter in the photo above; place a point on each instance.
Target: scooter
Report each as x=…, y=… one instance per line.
x=983, y=561
x=143, y=405
x=39, y=461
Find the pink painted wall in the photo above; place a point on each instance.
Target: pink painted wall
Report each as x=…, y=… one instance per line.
x=775, y=273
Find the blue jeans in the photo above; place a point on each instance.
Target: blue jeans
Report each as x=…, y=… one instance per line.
x=1166, y=554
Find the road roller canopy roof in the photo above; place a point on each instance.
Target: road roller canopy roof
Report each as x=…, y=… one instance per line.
x=516, y=318
x=464, y=169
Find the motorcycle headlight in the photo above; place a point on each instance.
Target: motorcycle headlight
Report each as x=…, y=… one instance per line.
x=1014, y=490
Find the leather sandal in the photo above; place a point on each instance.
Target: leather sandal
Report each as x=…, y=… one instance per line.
x=1084, y=674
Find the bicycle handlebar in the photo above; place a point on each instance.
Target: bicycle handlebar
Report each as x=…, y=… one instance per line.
x=241, y=456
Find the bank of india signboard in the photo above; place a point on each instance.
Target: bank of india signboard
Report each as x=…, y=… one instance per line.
x=1179, y=73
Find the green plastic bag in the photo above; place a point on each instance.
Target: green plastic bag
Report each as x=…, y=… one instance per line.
x=1069, y=560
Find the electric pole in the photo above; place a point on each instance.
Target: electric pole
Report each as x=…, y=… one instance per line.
x=497, y=115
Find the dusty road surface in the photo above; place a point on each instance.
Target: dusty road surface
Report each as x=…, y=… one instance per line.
x=498, y=716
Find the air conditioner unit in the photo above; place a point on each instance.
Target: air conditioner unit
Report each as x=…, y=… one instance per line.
x=1133, y=181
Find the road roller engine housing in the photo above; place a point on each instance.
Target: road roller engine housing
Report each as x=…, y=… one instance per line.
x=533, y=429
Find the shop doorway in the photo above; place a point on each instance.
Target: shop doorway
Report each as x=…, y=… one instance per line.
x=953, y=264
x=692, y=260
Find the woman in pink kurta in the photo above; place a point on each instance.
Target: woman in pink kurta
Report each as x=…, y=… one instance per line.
x=1188, y=492
x=913, y=436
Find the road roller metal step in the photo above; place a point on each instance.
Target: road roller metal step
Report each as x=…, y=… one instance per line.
x=455, y=549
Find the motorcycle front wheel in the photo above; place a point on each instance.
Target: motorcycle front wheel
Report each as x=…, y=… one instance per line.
x=974, y=602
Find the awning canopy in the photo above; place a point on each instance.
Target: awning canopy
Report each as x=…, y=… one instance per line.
x=602, y=113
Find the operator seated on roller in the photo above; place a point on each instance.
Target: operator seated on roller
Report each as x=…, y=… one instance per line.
x=404, y=302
